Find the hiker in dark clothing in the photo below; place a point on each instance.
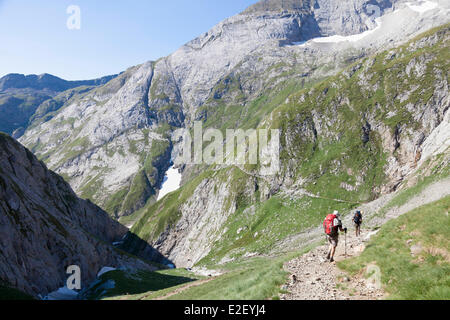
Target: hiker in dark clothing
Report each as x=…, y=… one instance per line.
x=357, y=220
x=332, y=225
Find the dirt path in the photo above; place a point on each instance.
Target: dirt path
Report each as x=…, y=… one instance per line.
x=190, y=285
x=314, y=278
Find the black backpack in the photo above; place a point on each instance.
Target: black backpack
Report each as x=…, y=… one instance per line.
x=357, y=217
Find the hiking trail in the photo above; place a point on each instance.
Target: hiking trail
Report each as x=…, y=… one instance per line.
x=318, y=279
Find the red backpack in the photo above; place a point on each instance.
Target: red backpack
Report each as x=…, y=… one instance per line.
x=328, y=223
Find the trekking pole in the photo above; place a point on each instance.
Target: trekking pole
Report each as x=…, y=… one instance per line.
x=346, y=243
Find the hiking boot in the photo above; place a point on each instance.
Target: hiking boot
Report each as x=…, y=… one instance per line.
x=328, y=256
x=332, y=260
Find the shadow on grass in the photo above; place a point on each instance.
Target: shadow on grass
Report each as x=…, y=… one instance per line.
x=10, y=294
x=136, y=246
x=121, y=283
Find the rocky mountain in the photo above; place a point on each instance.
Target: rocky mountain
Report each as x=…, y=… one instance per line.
x=46, y=82
x=358, y=89
x=45, y=227
x=21, y=95
x=113, y=143
x=345, y=141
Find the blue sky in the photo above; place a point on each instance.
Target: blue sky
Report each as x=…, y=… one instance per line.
x=114, y=35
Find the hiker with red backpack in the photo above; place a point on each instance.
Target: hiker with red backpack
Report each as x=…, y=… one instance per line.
x=332, y=225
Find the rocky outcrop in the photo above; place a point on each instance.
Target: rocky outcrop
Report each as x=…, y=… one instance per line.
x=45, y=227
x=103, y=139
x=111, y=130
x=202, y=219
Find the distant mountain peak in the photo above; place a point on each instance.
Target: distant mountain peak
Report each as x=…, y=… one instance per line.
x=46, y=81
x=280, y=6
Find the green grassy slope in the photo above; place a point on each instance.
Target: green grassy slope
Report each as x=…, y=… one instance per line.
x=370, y=90
x=10, y=294
x=256, y=278
x=130, y=285
x=423, y=275
x=256, y=230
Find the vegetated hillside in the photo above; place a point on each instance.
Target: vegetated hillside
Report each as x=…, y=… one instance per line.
x=45, y=228
x=266, y=276
x=413, y=254
x=21, y=96
x=113, y=144
x=256, y=278
x=346, y=140
x=132, y=284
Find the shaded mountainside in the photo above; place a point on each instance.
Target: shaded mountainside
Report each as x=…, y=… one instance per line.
x=45, y=227
x=21, y=95
x=112, y=143
x=345, y=141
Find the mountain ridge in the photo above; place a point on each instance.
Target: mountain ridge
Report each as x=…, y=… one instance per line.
x=22, y=95
x=47, y=81
x=230, y=67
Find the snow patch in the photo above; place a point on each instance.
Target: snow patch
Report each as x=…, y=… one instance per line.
x=419, y=6
x=63, y=293
x=352, y=38
x=338, y=38
x=105, y=270
x=422, y=6
x=171, y=183
x=299, y=43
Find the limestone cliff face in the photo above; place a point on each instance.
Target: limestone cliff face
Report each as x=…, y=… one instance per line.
x=105, y=140
x=354, y=136
x=45, y=227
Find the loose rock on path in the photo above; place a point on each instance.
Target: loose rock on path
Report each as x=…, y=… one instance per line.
x=313, y=277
